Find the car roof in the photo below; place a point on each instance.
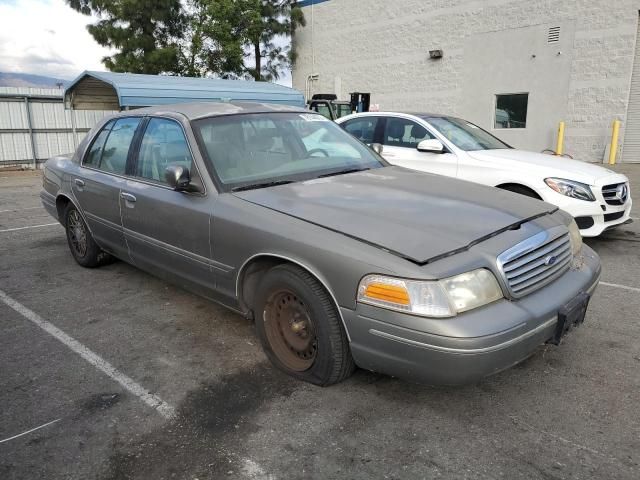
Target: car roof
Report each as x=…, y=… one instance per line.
x=196, y=110
x=422, y=115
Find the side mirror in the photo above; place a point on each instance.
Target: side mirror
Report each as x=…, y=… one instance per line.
x=177, y=177
x=430, y=145
x=376, y=147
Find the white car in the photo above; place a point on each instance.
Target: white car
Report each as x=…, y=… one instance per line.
x=597, y=198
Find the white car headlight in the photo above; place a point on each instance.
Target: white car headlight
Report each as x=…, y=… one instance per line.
x=441, y=298
x=575, y=237
x=570, y=188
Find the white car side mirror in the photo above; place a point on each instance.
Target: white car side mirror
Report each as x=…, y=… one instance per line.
x=430, y=145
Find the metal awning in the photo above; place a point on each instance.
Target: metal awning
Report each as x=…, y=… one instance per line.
x=122, y=91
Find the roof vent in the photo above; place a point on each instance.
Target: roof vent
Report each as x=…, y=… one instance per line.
x=554, y=35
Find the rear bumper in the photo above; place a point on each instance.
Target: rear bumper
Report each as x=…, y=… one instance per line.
x=49, y=203
x=380, y=343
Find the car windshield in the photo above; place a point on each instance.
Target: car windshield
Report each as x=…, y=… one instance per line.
x=261, y=149
x=465, y=135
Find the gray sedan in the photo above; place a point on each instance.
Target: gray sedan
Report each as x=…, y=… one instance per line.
x=340, y=259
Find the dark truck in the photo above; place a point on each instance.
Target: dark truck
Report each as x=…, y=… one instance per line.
x=328, y=105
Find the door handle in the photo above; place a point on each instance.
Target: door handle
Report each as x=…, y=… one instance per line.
x=127, y=196
x=79, y=183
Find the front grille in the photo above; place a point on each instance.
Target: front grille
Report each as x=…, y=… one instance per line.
x=536, y=262
x=616, y=193
x=610, y=217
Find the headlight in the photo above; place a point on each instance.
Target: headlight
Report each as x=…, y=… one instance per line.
x=442, y=298
x=575, y=237
x=570, y=188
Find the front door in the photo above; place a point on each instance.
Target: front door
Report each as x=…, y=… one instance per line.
x=167, y=231
x=98, y=189
x=400, y=140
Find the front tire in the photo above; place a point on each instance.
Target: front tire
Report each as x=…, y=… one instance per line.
x=299, y=327
x=83, y=247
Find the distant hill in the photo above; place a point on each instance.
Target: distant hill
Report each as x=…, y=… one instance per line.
x=8, y=79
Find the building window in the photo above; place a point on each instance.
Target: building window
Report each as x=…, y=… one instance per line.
x=511, y=110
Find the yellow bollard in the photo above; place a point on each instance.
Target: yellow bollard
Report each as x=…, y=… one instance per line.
x=560, y=144
x=613, y=149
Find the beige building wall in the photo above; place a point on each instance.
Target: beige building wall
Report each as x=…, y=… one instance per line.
x=490, y=47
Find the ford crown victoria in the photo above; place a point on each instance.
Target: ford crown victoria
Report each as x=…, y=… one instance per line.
x=341, y=259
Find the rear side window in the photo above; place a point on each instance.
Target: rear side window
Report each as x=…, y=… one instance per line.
x=362, y=128
x=163, y=144
x=92, y=159
x=116, y=148
x=401, y=132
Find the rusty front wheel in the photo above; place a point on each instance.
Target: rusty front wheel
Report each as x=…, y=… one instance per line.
x=300, y=328
x=290, y=330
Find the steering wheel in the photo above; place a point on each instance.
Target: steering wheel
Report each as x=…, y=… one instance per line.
x=317, y=150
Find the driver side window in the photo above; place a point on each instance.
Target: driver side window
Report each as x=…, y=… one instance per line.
x=163, y=144
x=401, y=132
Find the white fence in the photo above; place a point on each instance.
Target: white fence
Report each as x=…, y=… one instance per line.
x=35, y=126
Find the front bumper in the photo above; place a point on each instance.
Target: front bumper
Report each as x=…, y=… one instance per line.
x=595, y=217
x=382, y=341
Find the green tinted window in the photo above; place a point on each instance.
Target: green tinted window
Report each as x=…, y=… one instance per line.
x=116, y=149
x=92, y=158
x=163, y=144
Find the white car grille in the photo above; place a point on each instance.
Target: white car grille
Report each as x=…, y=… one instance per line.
x=536, y=262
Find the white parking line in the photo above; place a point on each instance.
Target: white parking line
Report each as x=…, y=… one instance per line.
x=155, y=402
x=29, y=431
x=19, y=209
x=30, y=226
x=624, y=287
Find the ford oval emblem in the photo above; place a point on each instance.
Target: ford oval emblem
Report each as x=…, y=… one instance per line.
x=550, y=260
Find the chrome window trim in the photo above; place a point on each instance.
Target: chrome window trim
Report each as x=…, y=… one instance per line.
x=193, y=157
x=86, y=151
x=142, y=179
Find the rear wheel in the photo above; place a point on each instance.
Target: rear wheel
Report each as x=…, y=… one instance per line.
x=84, y=249
x=299, y=327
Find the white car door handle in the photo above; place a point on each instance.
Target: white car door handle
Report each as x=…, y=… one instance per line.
x=128, y=197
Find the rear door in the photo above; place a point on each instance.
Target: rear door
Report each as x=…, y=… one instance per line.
x=97, y=190
x=167, y=231
x=400, y=140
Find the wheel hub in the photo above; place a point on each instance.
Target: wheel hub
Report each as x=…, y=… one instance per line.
x=290, y=330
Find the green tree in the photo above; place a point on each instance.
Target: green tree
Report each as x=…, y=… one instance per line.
x=146, y=34
x=247, y=38
x=213, y=41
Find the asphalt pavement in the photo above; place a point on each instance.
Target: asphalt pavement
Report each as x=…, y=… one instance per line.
x=111, y=373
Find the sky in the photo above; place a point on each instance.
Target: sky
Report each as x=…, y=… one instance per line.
x=47, y=37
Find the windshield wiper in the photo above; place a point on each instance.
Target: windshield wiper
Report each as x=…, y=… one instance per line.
x=253, y=186
x=343, y=172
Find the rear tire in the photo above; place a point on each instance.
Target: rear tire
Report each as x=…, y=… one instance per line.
x=522, y=190
x=83, y=247
x=299, y=327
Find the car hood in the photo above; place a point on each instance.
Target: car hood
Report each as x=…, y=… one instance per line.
x=418, y=216
x=545, y=165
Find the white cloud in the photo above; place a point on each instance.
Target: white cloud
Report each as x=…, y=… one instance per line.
x=46, y=37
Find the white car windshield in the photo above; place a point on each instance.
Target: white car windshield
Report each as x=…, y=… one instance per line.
x=253, y=150
x=465, y=135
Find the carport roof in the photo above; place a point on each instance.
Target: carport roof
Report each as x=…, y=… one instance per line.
x=120, y=91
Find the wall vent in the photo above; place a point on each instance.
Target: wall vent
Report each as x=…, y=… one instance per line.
x=554, y=35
